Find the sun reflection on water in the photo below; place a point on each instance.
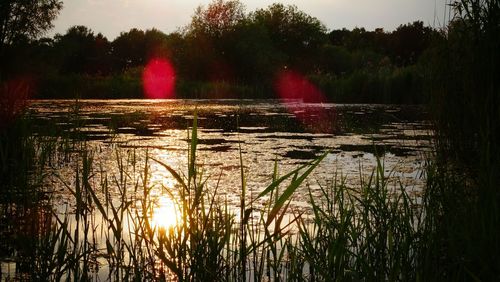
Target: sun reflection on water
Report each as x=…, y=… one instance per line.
x=165, y=214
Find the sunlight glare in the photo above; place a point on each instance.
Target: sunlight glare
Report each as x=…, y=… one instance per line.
x=165, y=214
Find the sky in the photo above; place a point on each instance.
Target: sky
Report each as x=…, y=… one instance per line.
x=110, y=17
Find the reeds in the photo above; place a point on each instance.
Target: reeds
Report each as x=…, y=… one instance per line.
x=368, y=232
x=462, y=195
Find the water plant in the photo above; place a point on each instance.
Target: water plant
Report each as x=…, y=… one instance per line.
x=109, y=231
x=462, y=195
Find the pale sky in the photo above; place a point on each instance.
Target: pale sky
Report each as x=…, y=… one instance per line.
x=110, y=17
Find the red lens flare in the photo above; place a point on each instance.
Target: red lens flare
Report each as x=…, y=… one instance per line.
x=158, y=79
x=291, y=86
x=14, y=98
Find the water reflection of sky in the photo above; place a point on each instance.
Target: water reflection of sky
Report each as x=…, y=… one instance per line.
x=127, y=133
x=165, y=213
x=267, y=131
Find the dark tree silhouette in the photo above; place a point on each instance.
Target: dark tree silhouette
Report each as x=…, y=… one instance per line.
x=21, y=20
x=251, y=50
x=294, y=32
x=75, y=49
x=156, y=44
x=409, y=41
x=28, y=18
x=134, y=48
x=208, y=40
x=217, y=18
x=223, y=52
x=129, y=49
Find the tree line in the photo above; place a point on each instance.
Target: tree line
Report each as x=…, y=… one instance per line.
x=225, y=52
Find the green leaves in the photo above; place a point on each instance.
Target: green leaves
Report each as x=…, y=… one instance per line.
x=294, y=184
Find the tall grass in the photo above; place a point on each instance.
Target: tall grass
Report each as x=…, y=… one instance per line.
x=29, y=232
x=462, y=195
x=368, y=232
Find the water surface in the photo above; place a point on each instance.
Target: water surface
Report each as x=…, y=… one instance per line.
x=121, y=135
x=290, y=133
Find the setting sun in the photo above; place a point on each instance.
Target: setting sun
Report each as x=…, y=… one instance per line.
x=165, y=214
x=238, y=140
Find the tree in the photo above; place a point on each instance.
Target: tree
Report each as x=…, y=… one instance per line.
x=156, y=44
x=100, y=56
x=207, y=38
x=335, y=59
x=26, y=18
x=21, y=20
x=75, y=49
x=129, y=49
x=135, y=47
x=294, y=32
x=251, y=51
x=338, y=37
x=218, y=18
x=409, y=41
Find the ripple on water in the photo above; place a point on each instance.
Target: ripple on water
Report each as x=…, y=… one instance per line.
x=267, y=132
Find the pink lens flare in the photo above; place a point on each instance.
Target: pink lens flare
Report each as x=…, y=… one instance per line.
x=292, y=87
x=15, y=95
x=159, y=79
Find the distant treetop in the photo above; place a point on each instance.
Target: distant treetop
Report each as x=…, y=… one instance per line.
x=26, y=18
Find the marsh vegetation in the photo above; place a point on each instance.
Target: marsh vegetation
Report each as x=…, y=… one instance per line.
x=116, y=225
x=67, y=213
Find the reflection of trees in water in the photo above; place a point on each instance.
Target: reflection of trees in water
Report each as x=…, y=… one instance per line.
x=23, y=230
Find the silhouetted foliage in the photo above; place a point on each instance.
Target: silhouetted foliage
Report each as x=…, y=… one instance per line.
x=292, y=31
x=250, y=47
x=20, y=21
x=217, y=19
x=408, y=42
x=226, y=53
x=129, y=49
x=26, y=18
x=76, y=50
x=464, y=83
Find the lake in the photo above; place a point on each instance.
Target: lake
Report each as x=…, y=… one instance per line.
x=121, y=135
x=266, y=131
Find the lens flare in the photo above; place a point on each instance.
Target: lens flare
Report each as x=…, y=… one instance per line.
x=158, y=79
x=292, y=85
x=14, y=98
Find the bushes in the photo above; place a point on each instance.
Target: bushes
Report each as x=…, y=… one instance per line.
x=465, y=98
x=384, y=85
x=86, y=86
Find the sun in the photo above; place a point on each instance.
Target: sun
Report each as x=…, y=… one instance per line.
x=165, y=214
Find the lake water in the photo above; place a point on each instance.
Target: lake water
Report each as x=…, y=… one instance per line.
x=290, y=133
x=120, y=133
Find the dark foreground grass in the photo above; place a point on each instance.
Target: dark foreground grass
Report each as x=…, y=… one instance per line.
x=463, y=195
x=369, y=232
x=374, y=231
